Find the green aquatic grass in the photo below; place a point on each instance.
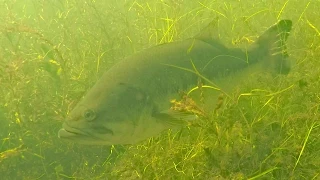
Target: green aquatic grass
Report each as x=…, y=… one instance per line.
x=53, y=51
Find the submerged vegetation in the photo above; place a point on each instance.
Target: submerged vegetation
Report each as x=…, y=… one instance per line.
x=52, y=52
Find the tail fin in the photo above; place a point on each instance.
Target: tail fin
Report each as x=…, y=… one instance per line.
x=271, y=47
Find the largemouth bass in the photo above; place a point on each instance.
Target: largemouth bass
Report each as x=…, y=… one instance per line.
x=131, y=101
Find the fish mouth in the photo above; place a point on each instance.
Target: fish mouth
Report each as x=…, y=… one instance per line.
x=68, y=132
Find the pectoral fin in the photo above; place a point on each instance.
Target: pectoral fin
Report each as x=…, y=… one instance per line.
x=175, y=118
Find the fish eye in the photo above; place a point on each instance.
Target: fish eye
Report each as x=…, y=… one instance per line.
x=89, y=115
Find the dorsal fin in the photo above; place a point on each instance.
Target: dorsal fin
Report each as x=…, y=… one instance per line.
x=210, y=34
